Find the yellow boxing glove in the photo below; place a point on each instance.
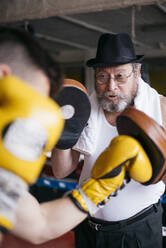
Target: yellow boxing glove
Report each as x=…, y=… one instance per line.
x=30, y=126
x=125, y=154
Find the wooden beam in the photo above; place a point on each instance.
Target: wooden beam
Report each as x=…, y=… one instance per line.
x=18, y=10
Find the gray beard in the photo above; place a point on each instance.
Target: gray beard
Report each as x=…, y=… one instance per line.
x=113, y=107
x=121, y=105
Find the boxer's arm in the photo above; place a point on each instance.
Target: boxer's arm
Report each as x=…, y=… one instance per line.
x=38, y=223
x=64, y=162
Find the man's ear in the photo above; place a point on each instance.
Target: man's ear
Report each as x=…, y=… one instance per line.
x=138, y=71
x=4, y=70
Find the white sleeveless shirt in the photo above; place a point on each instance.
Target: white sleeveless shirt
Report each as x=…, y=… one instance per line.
x=135, y=196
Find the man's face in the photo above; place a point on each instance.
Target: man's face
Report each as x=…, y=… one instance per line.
x=116, y=86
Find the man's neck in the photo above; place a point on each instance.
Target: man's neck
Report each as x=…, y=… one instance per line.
x=111, y=117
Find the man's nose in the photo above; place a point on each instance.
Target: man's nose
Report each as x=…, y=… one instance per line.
x=112, y=84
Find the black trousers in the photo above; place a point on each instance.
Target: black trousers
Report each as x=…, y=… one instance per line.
x=144, y=230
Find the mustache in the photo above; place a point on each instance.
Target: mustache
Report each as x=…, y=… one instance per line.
x=109, y=93
x=112, y=94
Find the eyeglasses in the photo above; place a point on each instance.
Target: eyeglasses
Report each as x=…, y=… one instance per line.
x=104, y=78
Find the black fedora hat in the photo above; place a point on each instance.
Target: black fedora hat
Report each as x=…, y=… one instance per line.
x=114, y=49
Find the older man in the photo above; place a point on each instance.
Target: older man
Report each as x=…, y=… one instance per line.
x=134, y=217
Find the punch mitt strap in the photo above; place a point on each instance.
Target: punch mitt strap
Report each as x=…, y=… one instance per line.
x=152, y=137
x=75, y=106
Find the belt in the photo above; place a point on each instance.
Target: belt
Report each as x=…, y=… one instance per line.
x=100, y=225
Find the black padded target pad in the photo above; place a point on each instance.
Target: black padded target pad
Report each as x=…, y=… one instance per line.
x=78, y=99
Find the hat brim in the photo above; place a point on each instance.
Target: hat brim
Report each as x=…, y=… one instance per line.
x=94, y=63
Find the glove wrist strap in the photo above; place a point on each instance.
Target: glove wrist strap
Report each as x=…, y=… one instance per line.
x=80, y=199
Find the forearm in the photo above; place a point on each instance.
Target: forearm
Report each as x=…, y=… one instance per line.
x=38, y=223
x=64, y=162
x=64, y=216
x=29, y=221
